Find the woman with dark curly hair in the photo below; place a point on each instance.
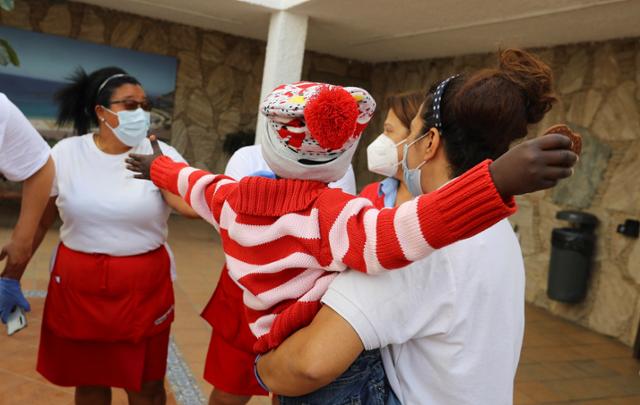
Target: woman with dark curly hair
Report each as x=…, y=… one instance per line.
x=451, y=325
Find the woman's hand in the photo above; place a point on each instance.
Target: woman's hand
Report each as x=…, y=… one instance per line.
x=11, y=296
x=533, y=165
x=141, y=164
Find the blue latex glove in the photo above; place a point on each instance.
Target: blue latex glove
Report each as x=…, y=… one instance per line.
x=10, y=297
x=264, y=173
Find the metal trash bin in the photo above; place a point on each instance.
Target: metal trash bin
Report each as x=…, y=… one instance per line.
x=572, y=251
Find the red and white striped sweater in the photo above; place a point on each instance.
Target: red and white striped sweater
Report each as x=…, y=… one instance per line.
x=284, y=240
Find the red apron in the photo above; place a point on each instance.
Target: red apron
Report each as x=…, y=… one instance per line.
x=230, y=358
x=102, y=298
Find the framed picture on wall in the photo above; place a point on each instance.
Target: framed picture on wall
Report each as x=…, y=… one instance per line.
x=46, y=61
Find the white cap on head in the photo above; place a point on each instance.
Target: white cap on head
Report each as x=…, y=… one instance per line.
x=313, y=129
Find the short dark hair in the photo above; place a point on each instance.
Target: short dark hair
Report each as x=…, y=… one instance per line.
x=237, y=140
x=77, y=100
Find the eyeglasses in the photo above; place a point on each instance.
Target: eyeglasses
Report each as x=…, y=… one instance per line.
x=132, y=105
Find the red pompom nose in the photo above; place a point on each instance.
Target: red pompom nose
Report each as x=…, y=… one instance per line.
x=331, y=117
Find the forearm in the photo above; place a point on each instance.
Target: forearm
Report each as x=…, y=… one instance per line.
x=393, y=238
x=48, y=218
x=165, y=174
x=201, y=190
x=466, y=206
x=312, y=357
x=179, y=205
x=35, y=195
x=15, y=269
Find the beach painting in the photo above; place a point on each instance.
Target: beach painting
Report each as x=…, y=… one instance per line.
x=46, y=62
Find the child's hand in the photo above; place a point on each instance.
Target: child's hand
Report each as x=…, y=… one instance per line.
x=533, y=165
x=141, y=164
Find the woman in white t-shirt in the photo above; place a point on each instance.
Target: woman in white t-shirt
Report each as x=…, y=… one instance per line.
x=450, y=326
x=110, y=299
x=24, y=157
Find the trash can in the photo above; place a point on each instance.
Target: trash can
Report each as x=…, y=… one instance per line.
x=572, y=250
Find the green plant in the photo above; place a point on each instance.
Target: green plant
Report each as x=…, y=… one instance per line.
x=7, y=53
x=6, y=5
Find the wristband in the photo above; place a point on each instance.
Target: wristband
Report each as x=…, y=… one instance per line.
x=255, y=372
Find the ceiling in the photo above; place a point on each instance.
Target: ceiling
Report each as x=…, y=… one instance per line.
x=389, y=30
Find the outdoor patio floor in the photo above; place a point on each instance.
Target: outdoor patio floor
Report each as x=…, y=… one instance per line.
x=560, y=363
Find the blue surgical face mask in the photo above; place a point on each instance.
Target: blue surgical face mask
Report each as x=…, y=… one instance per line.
x=411, y=177
x=133, y=126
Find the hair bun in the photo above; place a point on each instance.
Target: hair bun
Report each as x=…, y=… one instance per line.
x=533, y=77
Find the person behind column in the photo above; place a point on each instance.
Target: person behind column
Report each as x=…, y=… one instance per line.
x=110, y=300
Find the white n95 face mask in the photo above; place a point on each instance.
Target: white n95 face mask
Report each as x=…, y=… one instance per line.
x=382, y=156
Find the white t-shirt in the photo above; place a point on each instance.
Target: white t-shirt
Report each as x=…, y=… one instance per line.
x=248, y=160
x=22, y=150
x=102, y=207
x=450, y=325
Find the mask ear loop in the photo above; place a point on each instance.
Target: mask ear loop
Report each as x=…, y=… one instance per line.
x=398, y=163
x=402, y=141
x=406, y=150
x=105, y=121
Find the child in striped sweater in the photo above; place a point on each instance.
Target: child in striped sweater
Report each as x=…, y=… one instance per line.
x=284, y=239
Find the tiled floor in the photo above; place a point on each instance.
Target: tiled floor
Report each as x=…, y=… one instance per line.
x=19, y=381
x=560, y=363
x=564, y=363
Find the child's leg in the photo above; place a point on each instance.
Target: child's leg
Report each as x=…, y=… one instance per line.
x=364, y=382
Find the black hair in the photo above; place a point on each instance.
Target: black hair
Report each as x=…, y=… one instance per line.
x=237, y=140
x=77, y=100
x=484, y=112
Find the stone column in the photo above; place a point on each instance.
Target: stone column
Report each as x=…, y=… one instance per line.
x=284, y=56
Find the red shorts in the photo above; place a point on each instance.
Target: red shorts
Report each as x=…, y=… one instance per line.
x=106, y=319
x=229, y=364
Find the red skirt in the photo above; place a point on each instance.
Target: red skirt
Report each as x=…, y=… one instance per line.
x=229, y=364
x=107, y=319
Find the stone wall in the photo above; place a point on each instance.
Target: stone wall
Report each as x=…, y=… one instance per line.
x=599, y=88
x=219, y=75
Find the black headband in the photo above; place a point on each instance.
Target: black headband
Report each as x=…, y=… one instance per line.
x=437, y=99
